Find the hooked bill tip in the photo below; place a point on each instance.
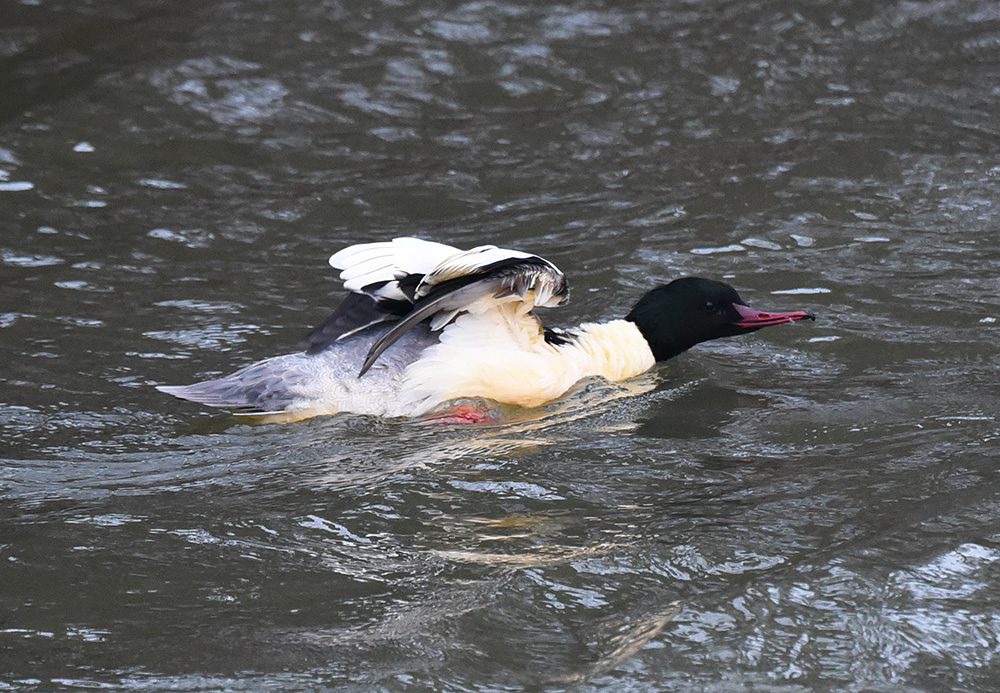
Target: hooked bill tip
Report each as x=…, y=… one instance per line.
x=750, y=317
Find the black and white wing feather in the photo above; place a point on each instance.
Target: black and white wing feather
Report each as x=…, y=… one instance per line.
x=408, y=280
x=382, y=278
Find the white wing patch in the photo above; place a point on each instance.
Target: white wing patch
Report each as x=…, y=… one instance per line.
x=389, y=261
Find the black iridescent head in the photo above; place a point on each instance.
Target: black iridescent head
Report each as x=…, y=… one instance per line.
x=676, y=316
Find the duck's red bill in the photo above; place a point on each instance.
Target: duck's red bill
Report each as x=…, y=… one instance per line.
x=751, y=317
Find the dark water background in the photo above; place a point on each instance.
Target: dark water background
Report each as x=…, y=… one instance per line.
x=814, y=507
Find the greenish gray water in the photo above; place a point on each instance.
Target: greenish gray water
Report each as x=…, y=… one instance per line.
x=814, y=507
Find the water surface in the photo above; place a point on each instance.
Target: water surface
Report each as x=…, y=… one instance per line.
x=813, y=507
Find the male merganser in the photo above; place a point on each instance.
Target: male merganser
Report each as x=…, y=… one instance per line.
x=427, y=324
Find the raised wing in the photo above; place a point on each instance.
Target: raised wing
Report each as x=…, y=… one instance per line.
x=382, y=278
x=408, y=280
x=467, y=278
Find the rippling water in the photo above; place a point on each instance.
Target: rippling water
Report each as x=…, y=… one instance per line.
x=810, y=508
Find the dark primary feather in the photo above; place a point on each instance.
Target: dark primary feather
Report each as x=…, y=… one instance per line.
x=356, y=312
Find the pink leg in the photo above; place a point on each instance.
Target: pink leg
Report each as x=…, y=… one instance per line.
x=462, y=414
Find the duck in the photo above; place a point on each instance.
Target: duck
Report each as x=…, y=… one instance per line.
x=427, y=328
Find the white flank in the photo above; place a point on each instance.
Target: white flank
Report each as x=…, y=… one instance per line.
x=502, y=355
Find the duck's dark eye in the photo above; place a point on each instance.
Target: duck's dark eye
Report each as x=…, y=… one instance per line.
x=708, y=306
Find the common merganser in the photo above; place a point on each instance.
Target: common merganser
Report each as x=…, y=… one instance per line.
x=427, y=324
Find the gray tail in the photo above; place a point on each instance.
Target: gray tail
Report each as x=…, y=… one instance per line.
x=273, y=385
x=223, y=393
